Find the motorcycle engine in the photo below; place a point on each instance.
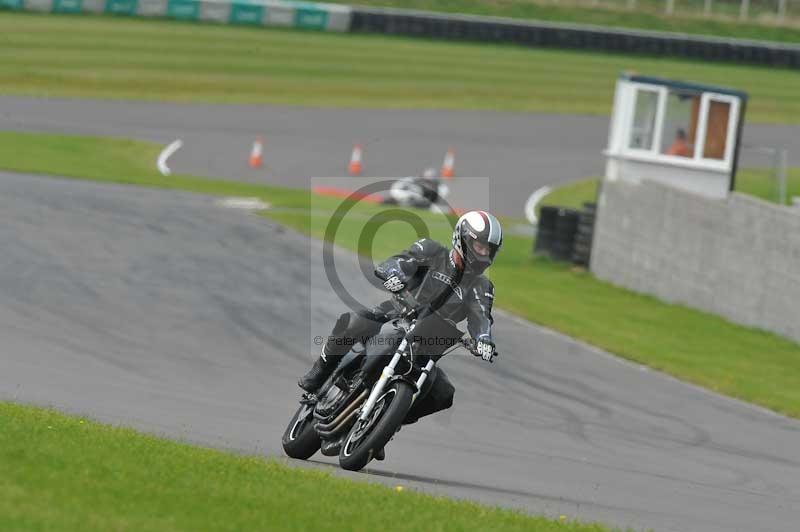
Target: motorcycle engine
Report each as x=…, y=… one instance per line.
x=328, y=403
x=339, y=394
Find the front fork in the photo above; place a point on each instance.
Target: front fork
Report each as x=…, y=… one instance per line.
x=422, y=378
x=386, y=375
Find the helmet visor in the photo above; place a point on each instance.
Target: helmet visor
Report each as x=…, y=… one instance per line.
x=481, y=249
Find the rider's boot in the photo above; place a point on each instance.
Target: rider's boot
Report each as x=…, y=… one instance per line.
x=319, y=372
x=380, y=454
x=332, y=447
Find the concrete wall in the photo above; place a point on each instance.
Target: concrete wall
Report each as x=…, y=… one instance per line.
x=739, y=257
x=711, y=183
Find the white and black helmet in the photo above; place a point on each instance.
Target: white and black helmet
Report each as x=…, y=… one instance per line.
x=430, y=173
x=477, y=237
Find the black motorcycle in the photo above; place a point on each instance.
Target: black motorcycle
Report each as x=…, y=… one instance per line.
x=365, y=401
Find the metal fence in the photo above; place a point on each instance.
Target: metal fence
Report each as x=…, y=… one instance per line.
x=760, y=11
x=762, y=172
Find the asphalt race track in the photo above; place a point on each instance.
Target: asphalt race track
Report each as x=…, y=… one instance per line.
x=167, y=312
x=518, y=152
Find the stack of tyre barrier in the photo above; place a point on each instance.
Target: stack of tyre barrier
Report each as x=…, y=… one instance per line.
x=545, y=230
x=565, y=234
x=582, y=245
x=542, y=34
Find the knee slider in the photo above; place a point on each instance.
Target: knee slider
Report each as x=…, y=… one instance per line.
x=341, y=323
x=448, y=402
x=448, y=393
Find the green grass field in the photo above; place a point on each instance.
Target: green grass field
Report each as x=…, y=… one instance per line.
x=702, y=348
x=760, y=183
x=118, y=58
x=751, y=181
x=574, y=194
x=649, y=16
x=69, y=474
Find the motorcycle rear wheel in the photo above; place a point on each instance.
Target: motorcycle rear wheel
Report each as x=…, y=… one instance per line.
x=369, y=436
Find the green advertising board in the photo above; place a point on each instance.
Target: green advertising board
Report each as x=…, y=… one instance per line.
x=11, y=4
x=67, y=6
x=311, y=18
x=121, y=7
x=252, y=14
x=183, y=9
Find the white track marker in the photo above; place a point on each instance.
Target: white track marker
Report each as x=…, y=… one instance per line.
x=165, y=154
x=533, y=201
x=247, y=204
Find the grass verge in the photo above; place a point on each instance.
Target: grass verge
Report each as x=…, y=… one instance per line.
x=119, y=58
x=762, y=184
x=69, y=474
x=573, y=194
x=702, y=348
x=751, y=181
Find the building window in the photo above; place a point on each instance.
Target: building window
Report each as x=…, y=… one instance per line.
x=716, y=140
x=644, y=120
x=679, y=127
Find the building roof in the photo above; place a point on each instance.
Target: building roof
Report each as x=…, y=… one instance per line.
x=671, y=83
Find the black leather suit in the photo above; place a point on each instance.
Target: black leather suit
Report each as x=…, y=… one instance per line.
x=434, y=279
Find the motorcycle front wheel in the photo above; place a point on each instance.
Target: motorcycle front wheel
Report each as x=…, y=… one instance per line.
x=370, y=435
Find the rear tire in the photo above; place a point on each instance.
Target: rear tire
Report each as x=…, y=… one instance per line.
x=300, y=440
x=368, y=437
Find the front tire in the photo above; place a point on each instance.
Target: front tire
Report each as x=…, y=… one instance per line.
x=371, y=435
x=300, y=440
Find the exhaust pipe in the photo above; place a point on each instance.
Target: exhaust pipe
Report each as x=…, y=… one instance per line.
x=352, y=406
x=347, y=423
x=330, y=429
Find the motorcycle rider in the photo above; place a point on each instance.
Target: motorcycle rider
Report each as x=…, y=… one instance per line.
x=430, y=183
x=450, y=280
x=422, y=192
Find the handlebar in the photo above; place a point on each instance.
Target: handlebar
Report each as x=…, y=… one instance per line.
x=411, y=305
x=406, y=303
x=406, y=298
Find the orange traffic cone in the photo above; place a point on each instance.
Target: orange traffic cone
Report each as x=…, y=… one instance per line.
x=354, y=168
x=447, y=171
x=256, y=154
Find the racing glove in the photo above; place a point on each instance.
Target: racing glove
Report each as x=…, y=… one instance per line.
x=394, y=283
x=485, y=347
x=394, y=277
